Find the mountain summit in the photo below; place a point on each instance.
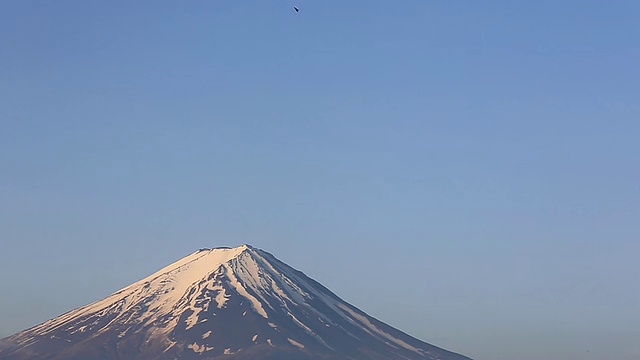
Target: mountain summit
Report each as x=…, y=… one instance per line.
x=223, y=303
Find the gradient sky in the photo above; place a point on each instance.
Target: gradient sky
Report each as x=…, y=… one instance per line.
x=467, y=171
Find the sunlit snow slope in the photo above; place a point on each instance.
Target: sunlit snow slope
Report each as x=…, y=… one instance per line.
x=224, y=303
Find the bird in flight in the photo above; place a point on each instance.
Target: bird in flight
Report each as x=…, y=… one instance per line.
x=296, y=9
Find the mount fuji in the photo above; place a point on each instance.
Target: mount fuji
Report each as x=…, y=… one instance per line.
x=224, y=303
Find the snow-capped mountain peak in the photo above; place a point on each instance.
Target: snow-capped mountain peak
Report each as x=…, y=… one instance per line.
x=235, y=303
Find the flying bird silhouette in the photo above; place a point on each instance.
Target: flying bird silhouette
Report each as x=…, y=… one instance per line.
x=296, y=9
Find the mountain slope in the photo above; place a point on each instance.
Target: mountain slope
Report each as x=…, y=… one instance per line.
x=225, y=303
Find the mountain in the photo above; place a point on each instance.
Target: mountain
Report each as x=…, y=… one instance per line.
x=225, y=303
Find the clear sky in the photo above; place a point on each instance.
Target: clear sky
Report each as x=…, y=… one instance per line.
x=467, y=171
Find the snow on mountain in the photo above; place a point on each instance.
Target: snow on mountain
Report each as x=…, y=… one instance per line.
x=231, y=303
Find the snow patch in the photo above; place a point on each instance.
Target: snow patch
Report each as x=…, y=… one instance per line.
x=80, y=329
x=300, y=324
x=192, y=320
x=199, y=349
x=221, y=297
x=255, y=304
x=364, y=321
x=295, y=343
x=171, y=344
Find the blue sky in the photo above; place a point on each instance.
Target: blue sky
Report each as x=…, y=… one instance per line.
x=465, y=171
